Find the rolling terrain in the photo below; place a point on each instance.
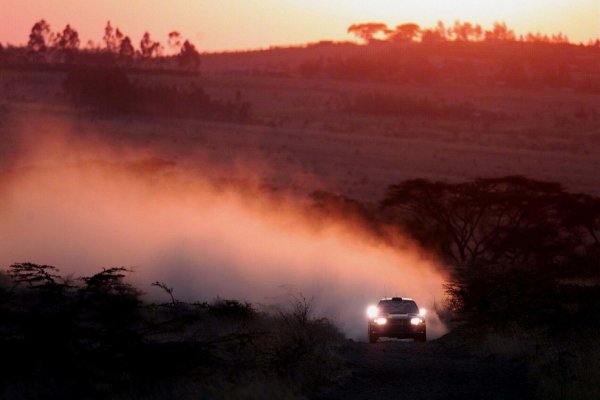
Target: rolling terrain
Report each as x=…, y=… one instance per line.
x=308, y=131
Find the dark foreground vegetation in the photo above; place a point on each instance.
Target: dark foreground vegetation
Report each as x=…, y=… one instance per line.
x=94, y=338
x=524, y=264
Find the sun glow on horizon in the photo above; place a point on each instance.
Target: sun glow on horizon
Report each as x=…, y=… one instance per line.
x=242, y=24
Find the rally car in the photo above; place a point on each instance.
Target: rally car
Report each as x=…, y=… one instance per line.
x=396, y=317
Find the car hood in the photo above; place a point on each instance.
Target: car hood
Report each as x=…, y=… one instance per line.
x=399, y=316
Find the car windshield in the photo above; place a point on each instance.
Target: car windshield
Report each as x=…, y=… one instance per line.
x=398, y=307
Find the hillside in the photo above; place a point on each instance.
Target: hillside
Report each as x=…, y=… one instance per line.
x=357, y=134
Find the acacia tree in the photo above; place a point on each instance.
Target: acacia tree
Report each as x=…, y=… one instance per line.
x=367, y=31
x=508, y=221
x=509, y=242
x=405, y=33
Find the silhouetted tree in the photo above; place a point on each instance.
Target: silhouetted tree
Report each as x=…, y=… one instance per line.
x=510, y=242
x=39, y=36
x=535, y=38
x=465, y=32
x=189, y=56
x=126, y=50
x=119, y=37
x=460, y=32
x=509, y=220
x=67, y=43
x=110, y=308
x=109, y=38
x=559, y=38
x=581, y=213
x=174, y=41
x=368, y=31
x=435, y=35
x=405, y=33
x=167, y=290
x=500, y=32
x=148, y=47
x=68, y=40
x=44, y=277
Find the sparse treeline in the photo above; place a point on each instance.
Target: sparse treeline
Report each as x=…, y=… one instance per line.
x=372, y=32
x=463, y=53
x=115, y=47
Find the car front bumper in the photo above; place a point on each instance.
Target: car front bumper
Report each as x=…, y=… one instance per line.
x=398, y=328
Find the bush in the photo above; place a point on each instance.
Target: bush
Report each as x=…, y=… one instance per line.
x=94, y=338
x=304, y=348
x=106, y=90
x=234, y=309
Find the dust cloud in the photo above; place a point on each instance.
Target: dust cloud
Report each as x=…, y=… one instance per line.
x=81, y=205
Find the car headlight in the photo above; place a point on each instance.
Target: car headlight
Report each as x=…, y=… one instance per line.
x=416, y=321
x=422, y=312
x=380, y=321
x=372, y=311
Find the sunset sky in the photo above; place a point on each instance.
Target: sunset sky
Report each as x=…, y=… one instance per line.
x=242, y=24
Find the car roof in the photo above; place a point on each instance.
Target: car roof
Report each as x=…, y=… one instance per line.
x=396, y=299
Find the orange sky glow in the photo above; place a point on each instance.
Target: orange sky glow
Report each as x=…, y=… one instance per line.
x=247, y=24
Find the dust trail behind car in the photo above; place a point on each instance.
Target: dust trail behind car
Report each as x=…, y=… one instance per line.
x=112, y=207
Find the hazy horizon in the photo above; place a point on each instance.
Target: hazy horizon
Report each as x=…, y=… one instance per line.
x=240, y=25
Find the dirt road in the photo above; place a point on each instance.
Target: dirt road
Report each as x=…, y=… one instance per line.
x=433, y=370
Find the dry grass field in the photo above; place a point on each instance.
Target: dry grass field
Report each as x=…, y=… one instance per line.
x=301, y=133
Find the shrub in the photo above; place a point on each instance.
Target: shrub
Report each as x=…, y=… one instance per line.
x=101, y=89
x=95, y=338
x=106, y=90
